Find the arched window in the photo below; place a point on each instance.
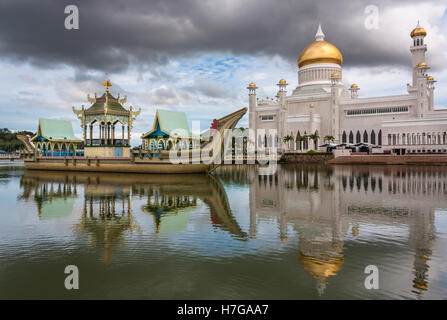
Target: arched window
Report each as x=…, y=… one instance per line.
x=298, y=140
x=373, y=137
x=365, y=136
x=379, y=138
x=351, y=137
x=343, y=137
x=357, y=137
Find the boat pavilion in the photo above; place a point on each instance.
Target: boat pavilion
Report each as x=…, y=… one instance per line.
x=55, y=138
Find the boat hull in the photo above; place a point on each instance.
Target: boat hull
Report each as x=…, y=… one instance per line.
x=115, y=166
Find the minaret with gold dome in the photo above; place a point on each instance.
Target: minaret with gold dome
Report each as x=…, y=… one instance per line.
x=420, y=67
x=252, y=107
x=417, y=50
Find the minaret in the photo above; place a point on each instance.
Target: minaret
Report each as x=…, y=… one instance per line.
x=431, y=88
x=252, y=110
x=354, y=91
x=422, y=89
x=418, y=49
x=282, y=84
x=336, y=90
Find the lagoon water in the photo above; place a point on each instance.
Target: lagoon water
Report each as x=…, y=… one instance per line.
x=306, y=232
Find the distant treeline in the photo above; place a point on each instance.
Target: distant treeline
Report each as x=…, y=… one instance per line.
x=9, y=141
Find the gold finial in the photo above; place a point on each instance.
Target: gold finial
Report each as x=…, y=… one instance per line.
x=107, y=83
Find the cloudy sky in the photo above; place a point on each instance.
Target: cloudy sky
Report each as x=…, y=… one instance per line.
x=198, y=56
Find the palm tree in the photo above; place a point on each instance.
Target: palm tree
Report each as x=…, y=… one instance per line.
x=314, y=137
x=287, y=140
x=329, y=139
x=301, y=139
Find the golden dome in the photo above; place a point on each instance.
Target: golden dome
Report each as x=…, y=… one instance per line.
x=252, y=84
x=282, y=81
x=354, y=86
x=422, y=64
x=320, y=52
x=335, y=75
x=430, y=78
x=418, y=31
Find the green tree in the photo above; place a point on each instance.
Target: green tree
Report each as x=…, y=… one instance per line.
x=301, y=139
x=287, y=140
x=315, y=138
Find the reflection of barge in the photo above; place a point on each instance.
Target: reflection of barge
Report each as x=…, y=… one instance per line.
x=107, y=212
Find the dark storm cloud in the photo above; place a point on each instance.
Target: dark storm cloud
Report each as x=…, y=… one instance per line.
x=115, y=34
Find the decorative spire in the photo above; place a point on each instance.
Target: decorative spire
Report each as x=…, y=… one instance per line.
x=107, y=83
x=319, y=36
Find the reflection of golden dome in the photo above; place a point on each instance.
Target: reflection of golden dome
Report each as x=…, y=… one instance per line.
x=418, y=31
x=322, y=266
x=422, y=64
x=320, y=52
x=252, y=84
x=282, y=81
x=430, y=78
x=354, y=86
x=420, y=284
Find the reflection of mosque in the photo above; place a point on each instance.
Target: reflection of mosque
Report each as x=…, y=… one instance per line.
x=322, y=203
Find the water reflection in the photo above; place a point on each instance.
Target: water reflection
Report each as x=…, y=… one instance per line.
x=107, y=202
x=53, y=200
x=177, y=195
x=324, y=213
x=323, y=203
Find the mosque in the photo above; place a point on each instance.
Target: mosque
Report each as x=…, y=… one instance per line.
x=322, y=107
